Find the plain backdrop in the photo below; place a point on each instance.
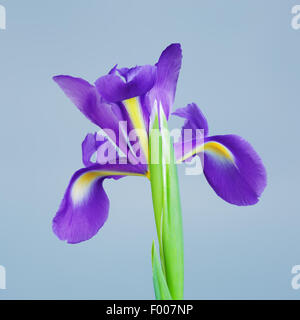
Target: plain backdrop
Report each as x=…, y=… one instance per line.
x=241, y=66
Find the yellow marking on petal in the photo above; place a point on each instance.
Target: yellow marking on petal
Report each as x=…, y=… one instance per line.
x=213, y=147
x=134, y=110
x=148, y=174
x=82, y=185
x=219, y=149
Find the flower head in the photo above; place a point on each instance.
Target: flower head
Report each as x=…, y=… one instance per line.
x=123, y=96
x=126, y=99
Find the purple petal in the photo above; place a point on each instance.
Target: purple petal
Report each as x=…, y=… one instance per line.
x=84, y=208
x=82, y=94
x=168, y=67
x=185, y=149
x=129, y=74
x=91, y=145
x=234, y=170
x=113, y=70
x=106, y=115
x=107, y=153
x=195, y=119
x=139, y=80
x=231, y=166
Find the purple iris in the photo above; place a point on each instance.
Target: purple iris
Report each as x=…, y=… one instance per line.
x=231, y=166
x=122, y=96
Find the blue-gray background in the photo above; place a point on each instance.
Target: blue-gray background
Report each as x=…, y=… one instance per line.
x=241, y=65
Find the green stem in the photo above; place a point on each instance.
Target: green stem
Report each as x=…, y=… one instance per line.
x=167, y=210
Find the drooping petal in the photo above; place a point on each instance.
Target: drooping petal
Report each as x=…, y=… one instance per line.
x=138, y=81
x=231, y=166
x=168, y=67
x=84, y=208
x=195, y=119
x=234, y=169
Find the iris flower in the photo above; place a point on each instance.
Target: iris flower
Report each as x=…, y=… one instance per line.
x=141, y=98
x=124, y=95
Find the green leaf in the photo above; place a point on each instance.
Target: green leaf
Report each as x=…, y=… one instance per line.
x=172, y=234
x=159, y=281
x=166, y=204
x=156, y=179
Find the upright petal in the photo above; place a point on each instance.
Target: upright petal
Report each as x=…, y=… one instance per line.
x=128, y=90
x=195, y=119
x=193, y=132
x=138, y=81
x=168, y=67
x=84, y=208
x=89, y=147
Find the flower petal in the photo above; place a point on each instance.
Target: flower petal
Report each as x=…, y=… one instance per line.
x=92, y=144
x=84, y=208
x=107, y=116
x=168, y=67
x=234, y=169
x=138, y=118
x=195, y=119
x=231, y=166
x=89, y=146
x=82, y=94
x=138, y=81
